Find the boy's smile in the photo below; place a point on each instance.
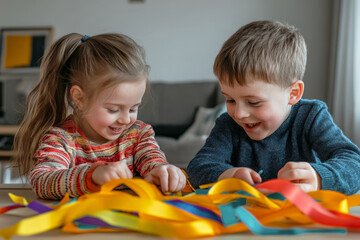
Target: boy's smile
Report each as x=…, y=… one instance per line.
x=251, y=126
x=258, y=107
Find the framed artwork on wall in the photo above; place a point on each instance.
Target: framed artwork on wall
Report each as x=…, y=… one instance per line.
x=23, y=48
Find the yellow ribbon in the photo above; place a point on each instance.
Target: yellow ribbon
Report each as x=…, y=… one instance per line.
x=153, y=215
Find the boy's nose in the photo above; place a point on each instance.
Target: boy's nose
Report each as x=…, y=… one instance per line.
x=241, y=112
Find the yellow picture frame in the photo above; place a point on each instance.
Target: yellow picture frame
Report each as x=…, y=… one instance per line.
x=22, y=48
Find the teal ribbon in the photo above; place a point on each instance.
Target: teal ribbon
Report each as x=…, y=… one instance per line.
x=233, y=213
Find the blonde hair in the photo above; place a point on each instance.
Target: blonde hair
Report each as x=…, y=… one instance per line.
x=268, y=50
x=93, y=64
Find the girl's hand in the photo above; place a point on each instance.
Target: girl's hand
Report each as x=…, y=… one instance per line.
x=107, y=172
x=246, y=174
x=302, y=174
x=169, y=177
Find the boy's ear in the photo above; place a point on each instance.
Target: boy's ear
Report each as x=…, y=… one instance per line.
x=296, y=92
x=77, y=95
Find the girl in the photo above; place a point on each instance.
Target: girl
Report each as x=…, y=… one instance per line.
x=80, y=128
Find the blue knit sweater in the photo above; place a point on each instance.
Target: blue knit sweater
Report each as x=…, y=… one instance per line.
x=308, y=134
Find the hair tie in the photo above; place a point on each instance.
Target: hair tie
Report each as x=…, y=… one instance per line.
x=84, y=38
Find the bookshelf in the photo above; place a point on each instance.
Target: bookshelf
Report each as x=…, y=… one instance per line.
x=7, y=130
x=6, y=155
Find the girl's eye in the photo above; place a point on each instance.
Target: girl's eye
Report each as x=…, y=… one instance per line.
x=132, y=110
x=113, y=110
x=230, y=100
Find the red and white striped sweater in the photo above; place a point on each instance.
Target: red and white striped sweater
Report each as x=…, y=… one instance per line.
x=65, y=158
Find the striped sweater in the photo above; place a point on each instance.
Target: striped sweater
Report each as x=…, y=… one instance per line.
x=65, y=158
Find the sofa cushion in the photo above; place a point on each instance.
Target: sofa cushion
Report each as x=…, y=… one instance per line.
x=179, y=153
x=204, y=122
x=170, y=107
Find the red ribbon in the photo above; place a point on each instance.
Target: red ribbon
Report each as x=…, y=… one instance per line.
x=309, y=206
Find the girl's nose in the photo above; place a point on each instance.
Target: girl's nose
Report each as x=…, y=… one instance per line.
x=124, y=118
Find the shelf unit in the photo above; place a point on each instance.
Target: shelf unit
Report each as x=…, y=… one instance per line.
x=7, y=130
x=6, y=155
x=14, y=91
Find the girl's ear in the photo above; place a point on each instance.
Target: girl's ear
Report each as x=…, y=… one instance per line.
x=77, y=95
x=296, y=92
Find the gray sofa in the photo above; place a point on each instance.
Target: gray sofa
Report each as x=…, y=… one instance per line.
x=182, y=115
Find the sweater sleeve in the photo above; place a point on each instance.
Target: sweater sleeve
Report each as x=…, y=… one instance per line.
x=215, y=156
x=147, y=153
x=54, y=173
x=339, y=165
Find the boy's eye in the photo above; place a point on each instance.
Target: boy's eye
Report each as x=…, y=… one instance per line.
x=254, y=103
x=230, y=100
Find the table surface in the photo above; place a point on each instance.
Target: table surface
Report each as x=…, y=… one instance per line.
x=23, y=190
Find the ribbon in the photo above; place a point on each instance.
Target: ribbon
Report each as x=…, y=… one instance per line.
x=228, y=206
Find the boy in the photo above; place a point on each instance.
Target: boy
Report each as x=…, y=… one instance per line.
x=268, y=127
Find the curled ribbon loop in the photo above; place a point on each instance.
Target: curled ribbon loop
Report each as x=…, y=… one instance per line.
x=228, y=206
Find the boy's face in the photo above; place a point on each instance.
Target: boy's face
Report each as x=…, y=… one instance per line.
x=258, y=107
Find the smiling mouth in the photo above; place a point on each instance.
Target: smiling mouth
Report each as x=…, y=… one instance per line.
x=251, y=125
x=116, y=130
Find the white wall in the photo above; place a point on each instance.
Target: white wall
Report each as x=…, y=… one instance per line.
x=182, y=37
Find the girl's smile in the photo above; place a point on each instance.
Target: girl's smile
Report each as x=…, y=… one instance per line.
x=117, y=131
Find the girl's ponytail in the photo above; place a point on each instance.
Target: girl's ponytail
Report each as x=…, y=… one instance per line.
x=48, y=103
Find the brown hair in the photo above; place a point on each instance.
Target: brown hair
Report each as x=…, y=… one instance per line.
x=268, y=50
x=93, y=64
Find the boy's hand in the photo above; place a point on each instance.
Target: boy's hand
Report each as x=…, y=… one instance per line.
x=107, y=172
x=246, y=174
x=169, y=177
x=302, y=174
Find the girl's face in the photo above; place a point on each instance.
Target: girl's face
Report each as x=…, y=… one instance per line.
x=258, y=107
x=114, y=111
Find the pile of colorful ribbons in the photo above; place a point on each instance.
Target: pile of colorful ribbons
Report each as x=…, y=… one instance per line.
x=228, y=206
